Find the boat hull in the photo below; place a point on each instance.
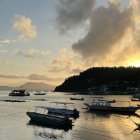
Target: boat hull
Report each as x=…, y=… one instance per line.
x=50, y=120
x=18, y=94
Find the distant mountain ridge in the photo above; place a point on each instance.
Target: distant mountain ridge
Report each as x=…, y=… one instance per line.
x=30, y=86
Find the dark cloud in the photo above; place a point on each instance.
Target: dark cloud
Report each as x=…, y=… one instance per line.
x=73, y=12
x=108, y=26
x=113, y=34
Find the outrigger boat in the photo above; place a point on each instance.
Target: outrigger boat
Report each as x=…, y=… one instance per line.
x=105, y=106
x=62, y=111
x=49, y=120
x=77, y=99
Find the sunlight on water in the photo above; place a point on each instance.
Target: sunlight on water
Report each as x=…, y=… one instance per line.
x=14, y=123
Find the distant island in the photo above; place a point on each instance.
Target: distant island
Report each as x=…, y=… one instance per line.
x=31, y=86
x=103, y=80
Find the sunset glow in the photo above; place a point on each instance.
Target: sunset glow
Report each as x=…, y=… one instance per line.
x=135, y=63
x=49, y=41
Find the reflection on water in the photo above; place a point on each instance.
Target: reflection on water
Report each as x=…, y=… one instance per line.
x=14, y=123
x=65, y=128
x=48, y=133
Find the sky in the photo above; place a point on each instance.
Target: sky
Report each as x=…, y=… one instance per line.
x=50, y=40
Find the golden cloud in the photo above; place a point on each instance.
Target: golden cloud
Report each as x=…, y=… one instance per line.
x=31, y=53
x=67, y=61
x=24, y=25
x=113, y=36
x=4, y=62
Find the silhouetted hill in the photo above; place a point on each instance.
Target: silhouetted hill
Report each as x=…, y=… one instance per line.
x=30, y=86
x=37, y=86
x=114, y=78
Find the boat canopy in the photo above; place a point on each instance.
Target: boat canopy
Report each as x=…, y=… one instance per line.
x=62, y=103
x=48, y=108
x=44, y=107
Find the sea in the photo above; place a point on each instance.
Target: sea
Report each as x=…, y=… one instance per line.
x=15, y=124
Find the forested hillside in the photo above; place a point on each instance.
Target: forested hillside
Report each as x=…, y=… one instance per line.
x=116, y=78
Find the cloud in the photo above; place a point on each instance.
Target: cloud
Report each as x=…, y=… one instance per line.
x=112, y=37
x=77, y=70
x=6, y=42
x=24, y=25
x=66, y=61
x=42, y=77
x=35, y=77
x=3, y=51
x=11, y=76
x=4, y=62
x=108, y=26
x=73, y=12
x=114, y=1
x=31, y=53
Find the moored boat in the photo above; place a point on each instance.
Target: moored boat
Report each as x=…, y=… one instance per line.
x=19, y=93
x=77, y=99
x=46, y=119
x=109, y=101
x=40, y=93
x=135, y=99
x=106, y=106
x=62, y=111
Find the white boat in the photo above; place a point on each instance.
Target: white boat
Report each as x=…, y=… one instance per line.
x=63, y=111
x=40, y=93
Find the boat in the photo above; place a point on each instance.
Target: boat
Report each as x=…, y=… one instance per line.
x=135, y=99
x=40, y=93
x=49, y=120
x=19, y=93
x=77, y=99
x=62, y=111
x=105, y=106
x=109, y=101
x=19, y=101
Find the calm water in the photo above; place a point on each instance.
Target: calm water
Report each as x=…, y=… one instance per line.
x=14, y=121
